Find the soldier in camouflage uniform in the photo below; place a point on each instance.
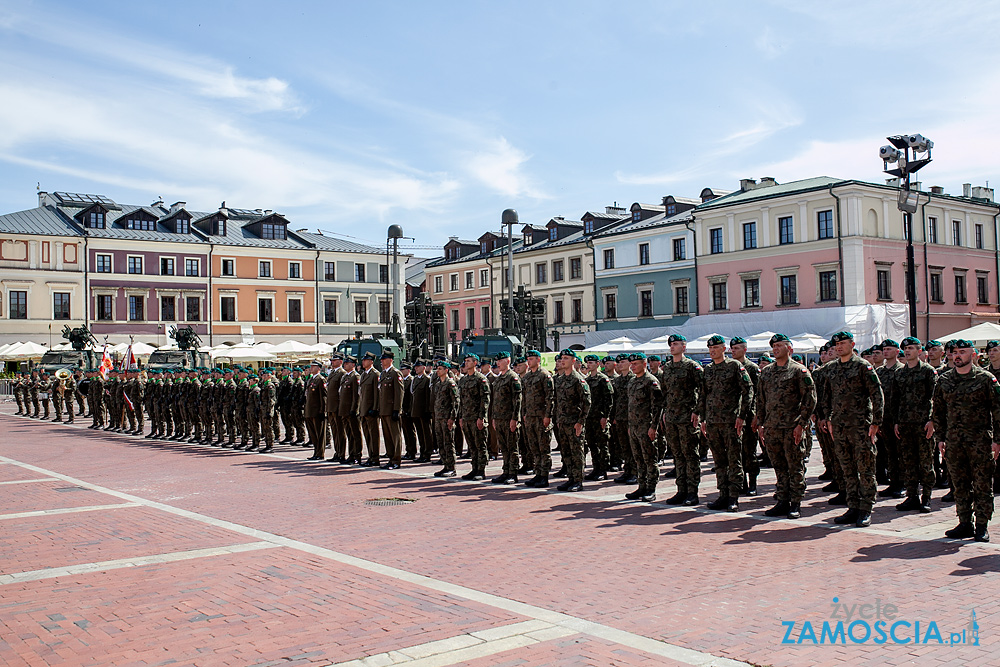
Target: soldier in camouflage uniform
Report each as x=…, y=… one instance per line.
x=520, y=366
x=253, y=413
x=887, y=462
x=725, y=407
x=619, y=420
x=610, y=368
x=602, y=395
x=445, y=396
x=114, y=399
x=539, y=400
x=505, y=398
x=17, y=383
x=910, y=406
x=282, y=406
x=653, y=363
x=832, y=471
x=240, y=409
x=153, y=400
x=644, y=401
x=966, y=414
x=33, y=393
x=572, y=405
x=682, y=388
x=266, y=415
x=297, y=402
x=748, y=439
x=134, y=388
x=192, y=405
x=785, y=404
x=854, y=411
x=226, y=406
x=474, y=398
x=57, y=400
x=993, y=354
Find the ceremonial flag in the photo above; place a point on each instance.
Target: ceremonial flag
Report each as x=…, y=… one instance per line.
x=106, y=364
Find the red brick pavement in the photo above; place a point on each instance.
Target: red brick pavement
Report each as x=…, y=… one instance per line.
x=711, y=582
x=573, y=651
x=10, y=473
x=37, y=496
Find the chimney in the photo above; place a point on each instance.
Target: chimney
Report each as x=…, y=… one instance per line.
x=747, y=184
x=979, y=192
x=452, y=238
x=966, y=189
x=615, y=210
x=158, y=202
x=268, y=211
x=937, y=190
x=767, y=181
x=43, y=199
x=177, y=205
x=917, y=186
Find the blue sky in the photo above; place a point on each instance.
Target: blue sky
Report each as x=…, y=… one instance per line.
x=350, y=116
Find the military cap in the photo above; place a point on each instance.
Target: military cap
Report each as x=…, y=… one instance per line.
x=963, y=343
x=608, y=359
x=369, y=355
x=716, y=340
x=470, y=355
x=797, y=357
x=622, y=357
x=533, y=353
x=992, y=344
x=676, y=338
x=841, y=335
x=767, y=358
x=777, y=338
x=520, y=360
x=910, y=340
x=337, y=356
x=205, y=371
x=637, y=356
x=443, y=363
x=824, y=347
x=419, y=362
x=888, y=342
x=253, y=376
x=388, y=354
x=406, y=364
x=932, y=343
x=653, y=357
x=737, y=340
x=316, y=362
x=502, y=355
x=348, y=359
x=950, y=345
x=592, y=357
x=569, y=353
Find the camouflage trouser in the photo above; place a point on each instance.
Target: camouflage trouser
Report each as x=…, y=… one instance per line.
x=682, y=437
x=856, y=453
x=620, y=428
x=79, y=402
x=253, y=427
x=97, y=412
x=788, y=459
x=830, y=460
x=476, y=438
x=492, y=443
x=35, y=404
x=46, y=402
x=445, y=436
x=597, y=438
x=130, y=415
x=20, y=401
x=299, y=419
x=645, y=455
x=459, y=441
x=207, y=422
x=916, y=453
x=508, y=446
x=614, y=446
x=240, y=420
x=267, y=422
x=230, y=415
x=571, y=446
x=887, y=455
x=748, y=447
x=724, y=442
x=970, y=466
x=539, y=440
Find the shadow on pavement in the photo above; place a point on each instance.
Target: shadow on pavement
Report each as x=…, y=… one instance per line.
x=915, y=550
x=978, y=565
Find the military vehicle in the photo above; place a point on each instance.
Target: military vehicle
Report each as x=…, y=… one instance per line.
x=358, y=346
x=82, y=355
x=185, y=356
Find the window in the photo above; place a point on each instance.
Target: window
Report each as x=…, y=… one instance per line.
x=192, y=311
x=103, y=264
x=271, y=230
x=827, y=285
x=956, y=232
x=557, y=271
x=636, y=215
x=468, y=280
x=557, y=312
x=588, y=227
x=484, y=278
x=105, y=307
x=361, y=312
x=824, y=224
x=960, y=288
x=577, y=310
x=486, y=316
x=454, y=320
x=554, y=234
x=786, y=234
x=610, y=306
x=330, y=311
x=646, y=303
x=982, y=290
x=884, y=285
x=483, y=247
x=166, y=266
x=671, y=209
x=219, y=227
x=383, y=274
x=140, y=224
x=789, y=291
x=609, y=258
x=192, y=267
x=228, y=308
x=643, y=254
x=135, y=265
x=936, y=293
x=681, y=299
x=749, y=235
x=680, y=252
x=136, y=308
x=330, y=271
x=295, y=270
x=438, y=284
x=715, y=240
x=932, y=235
x=18, y=309
x=454, y=282
x=183, y=225
x=229, y=267
x=979, y=237
x=359, y=273
x=96, y=220
x=295, y=310
x=719, y=301
x=168, y=311
x=264, y=269
x=575, y=268
x=470, y=318
x=540, y=274
x=265, y=310
x=751, y=293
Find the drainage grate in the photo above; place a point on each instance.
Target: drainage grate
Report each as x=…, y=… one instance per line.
x=70, y=488
x=382, y=502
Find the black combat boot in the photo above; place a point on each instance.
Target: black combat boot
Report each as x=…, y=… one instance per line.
x=626, y=479
x=637, y=494
x=752, y=485
x=691, y=499
x=676, y=499
x=542, y=483
x=794, y=510
x=561, y=472
x=864, y=519
x=720, y=503
x=982, y=534
x=925, y=503
x=596, y=475
x=962, y=531
x=649, y=496
x=502, y=479
x=671, y=474
x=839, y=499
x=781, y=509
x=850, y=516
x=445, y=472
x=911, y=503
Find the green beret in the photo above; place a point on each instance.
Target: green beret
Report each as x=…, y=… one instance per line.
x=992, y=344
x=441, y=363
x=841, y=335
x=637, y=356
x=963, y=343
x=767, y=358
x=676, y=338
x=653, y=357
x=608, y=359
x=592, y=357
x=910, y=340
x=716, y=340
x=520, y=360
x=777, y=338
x=737, y=340
x=797, y=357
x=932, y=343
x=888, y=342
x=950, y=345
x=533, y=353
x=502, y=355
x=622, y=357
x=470, y=355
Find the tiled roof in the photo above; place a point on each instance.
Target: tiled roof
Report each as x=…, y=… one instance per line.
x=659, y=220
x=324, y=242
x=740, y=197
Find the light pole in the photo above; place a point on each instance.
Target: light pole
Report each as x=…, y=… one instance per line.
x=911, y=152
x=509, y=218
x=392, y=327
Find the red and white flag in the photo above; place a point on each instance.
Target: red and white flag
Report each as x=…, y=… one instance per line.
x=106, y=364
x=129, y=362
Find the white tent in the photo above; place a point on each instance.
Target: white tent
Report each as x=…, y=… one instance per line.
x=658, y=345
x=27, y=350
x=700, y=344
x=293, y=348
x=807, y=343
x=237, y=353
x=620, y=344
x=979, y=334
x=322, y=348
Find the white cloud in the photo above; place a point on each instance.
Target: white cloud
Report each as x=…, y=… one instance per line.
x=498, y=166
x=768, y=44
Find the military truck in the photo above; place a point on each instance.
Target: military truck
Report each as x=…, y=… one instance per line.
x=488, y=344
x=82, y=355
x=185, y=356
x=357, y=347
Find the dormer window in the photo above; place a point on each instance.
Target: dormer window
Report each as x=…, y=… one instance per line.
x=140, y=223
x=588, y=227
x=182, y=225
x=95, y=220
x=636, y=215
x=219, y=226
x=553, y=233
x=671, y=209
x=272, y=230
x=483, y=246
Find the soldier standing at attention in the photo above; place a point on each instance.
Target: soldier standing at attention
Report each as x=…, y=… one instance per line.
x=887, y=445
x=407, y=425
x=284, y=405
x=390, y=404
x=520, y=366
x=315, y=411
x=993, y=354
x=935, y=355
x=33, y=393
x=833, y=472
x=682, y=389
x=539, y=399
x=854, y=411
x=253, y=413
x=194, y=404
x=492, y=446
x=505, y=398
x=572, y=404
x=653, y=364
x=368, y=408
x=644, y=402
x=445, y=392
x=421, y=407
x=240, y=409
x=748, y=439
x=71, y=392
x=333, y=420
x=474, y=406
x=784, y=410
x=966, y=414
x=619, y=422
x=347, y=410
x=726, y=408
x=910, y=406
x=228, y=407
x=610, y=368
x=46, y=388
x=267, y=417
x=602, y=395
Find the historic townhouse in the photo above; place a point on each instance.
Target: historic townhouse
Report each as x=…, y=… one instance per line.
x=463, y=283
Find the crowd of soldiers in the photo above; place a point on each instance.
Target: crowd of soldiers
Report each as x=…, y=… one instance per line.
x=917, y=423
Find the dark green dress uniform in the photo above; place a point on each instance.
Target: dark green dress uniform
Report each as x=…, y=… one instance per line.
x=572, y=405
x=421, y=410
x=683, y=386
x=347, y=408
x=728, y=395
x=602, y=396
x=390, y=404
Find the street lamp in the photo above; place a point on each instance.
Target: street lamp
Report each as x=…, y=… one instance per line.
x=509, y=218
x=392, y=326
x=911, y=152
